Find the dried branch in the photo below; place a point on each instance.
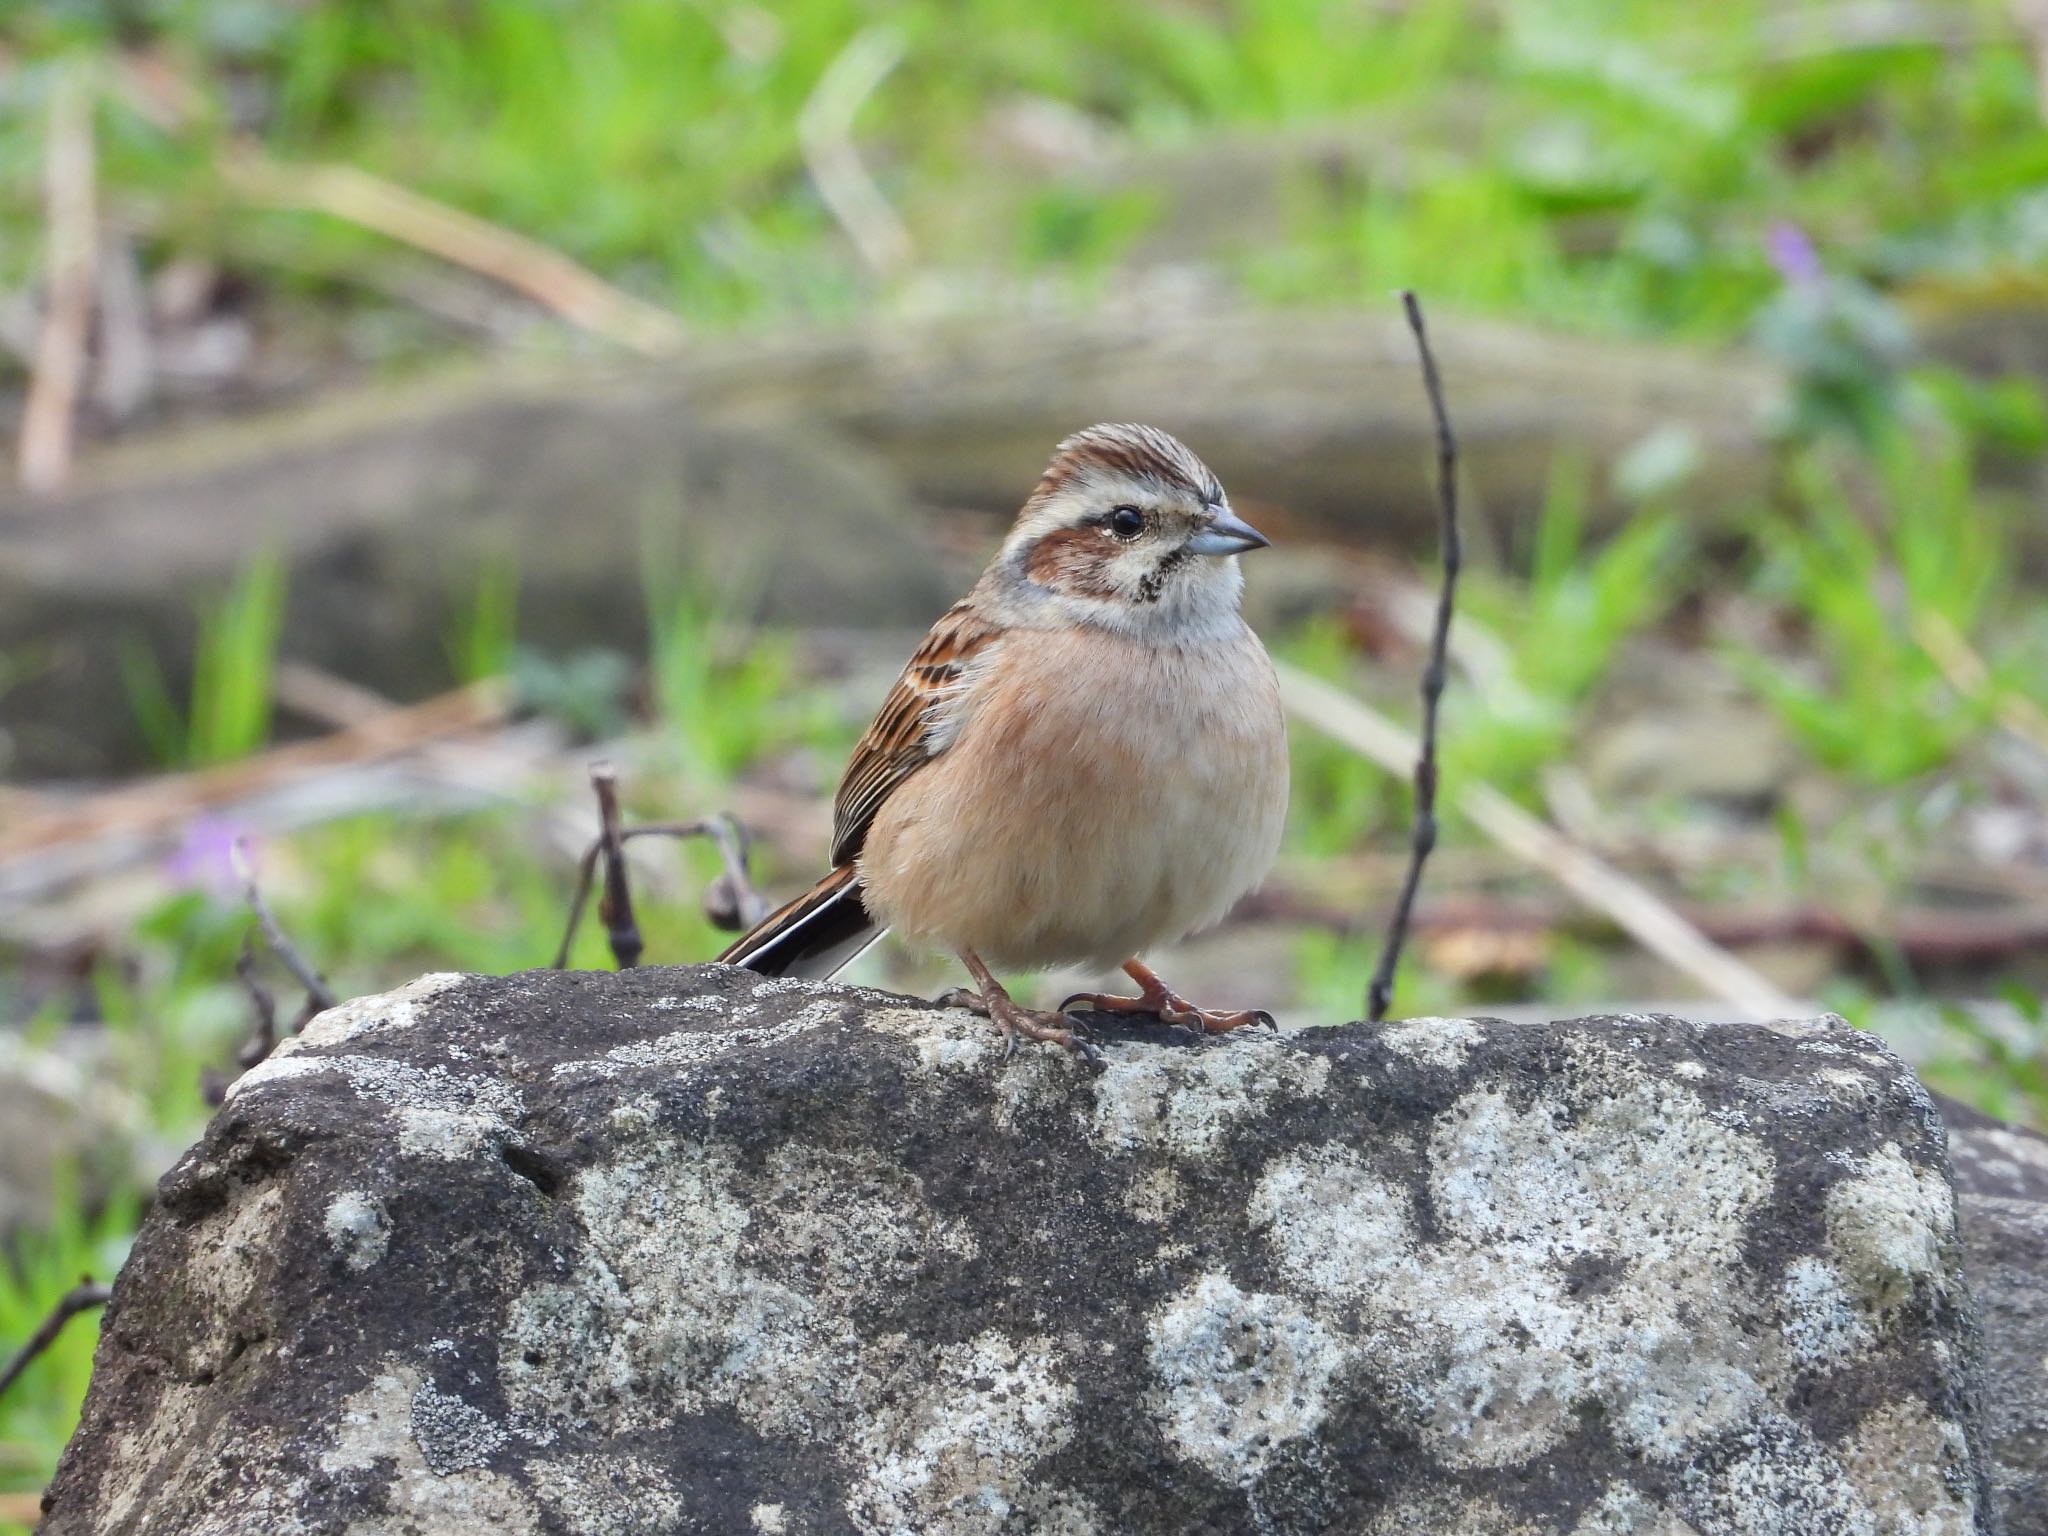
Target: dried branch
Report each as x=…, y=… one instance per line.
x=825, y=130
x=615, y=906
x=70, y=287
x=731, y=902
x=1638, y=911
x=263, y=1040
x=82, y=1297
x=317, y=990
x=543, y=274
x=161, y=803
x=263, y=1037
x=1929, y=936
x=1381, y=991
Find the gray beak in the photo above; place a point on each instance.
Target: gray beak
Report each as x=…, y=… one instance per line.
x=1228, y=535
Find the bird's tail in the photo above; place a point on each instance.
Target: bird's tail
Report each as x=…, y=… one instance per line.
x=816, y=935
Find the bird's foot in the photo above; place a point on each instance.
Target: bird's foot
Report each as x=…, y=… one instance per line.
x=1016, y=1021
x=1166, y=1005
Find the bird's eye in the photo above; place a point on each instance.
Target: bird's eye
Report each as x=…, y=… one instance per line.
x=1126, y=522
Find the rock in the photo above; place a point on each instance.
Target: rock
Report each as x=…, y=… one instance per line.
x=687, y=1250
x=2001, y=1175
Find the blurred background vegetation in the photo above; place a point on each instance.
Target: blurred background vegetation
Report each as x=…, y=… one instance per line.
x=1807, y=710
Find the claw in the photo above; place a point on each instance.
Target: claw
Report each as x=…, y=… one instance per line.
x=1013, y=1020
x=1168, y=1006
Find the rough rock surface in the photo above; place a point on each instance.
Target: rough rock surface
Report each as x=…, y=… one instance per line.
x=689, y=1250
x=2001, y=1176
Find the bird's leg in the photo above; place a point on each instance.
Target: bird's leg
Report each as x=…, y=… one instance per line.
x=1014, y=1019
x=1155, y=997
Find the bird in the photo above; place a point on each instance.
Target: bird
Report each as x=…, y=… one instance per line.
x=1085, y=758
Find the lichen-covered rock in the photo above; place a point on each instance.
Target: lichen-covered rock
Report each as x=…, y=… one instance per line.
x=2001, y=1175
x=687, y=1250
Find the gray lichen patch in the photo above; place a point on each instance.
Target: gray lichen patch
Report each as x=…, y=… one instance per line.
x=439, y=1113
x=954, y=1451
x=382, y=1013
x=683, y=1251
x=685, y=1048
x=380, y=1432
x=1433, y=1041
x=358, y=1228
x=452, y=1434
x=1626, y=1511
x=1188, y=1106
x=1823, y=1322
x=1913, y=1471
x=1576, y=1232
x=706, y=1285
x=1892, y=1226
x=1239, y=1376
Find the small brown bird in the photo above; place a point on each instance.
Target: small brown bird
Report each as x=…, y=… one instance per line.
x=1085, y=758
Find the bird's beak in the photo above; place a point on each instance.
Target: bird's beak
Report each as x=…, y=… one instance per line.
x=1228, y=535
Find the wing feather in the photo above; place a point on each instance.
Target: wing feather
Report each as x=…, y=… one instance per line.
x=903, y=737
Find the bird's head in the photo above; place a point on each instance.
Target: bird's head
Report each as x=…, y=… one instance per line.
x=1129, y=530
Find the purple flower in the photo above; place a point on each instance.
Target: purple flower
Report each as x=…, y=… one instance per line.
x=204, y=858
x=1793, y=255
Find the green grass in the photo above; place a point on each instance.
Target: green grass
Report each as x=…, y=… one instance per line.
x=38, y=1414
x=1925, y=541
x=233, y=672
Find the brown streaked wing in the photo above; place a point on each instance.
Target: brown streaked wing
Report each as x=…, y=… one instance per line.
x=895, y=744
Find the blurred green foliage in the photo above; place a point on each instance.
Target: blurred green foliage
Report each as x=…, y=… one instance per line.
x=1617, y=166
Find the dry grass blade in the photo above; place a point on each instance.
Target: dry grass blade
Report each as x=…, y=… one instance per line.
x=70, y=286
x=159, y=804
x=1970, y=675
x=1640, y=912
x=825, y=129
x=543, y=274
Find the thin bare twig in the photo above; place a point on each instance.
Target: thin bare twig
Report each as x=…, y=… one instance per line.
x=825, y=130
x=69, y=287
x=543, y=274
x=317, y=990
x=82, y=1297
x=263, y=1040
x=615, y=906
x=1637, y=910
x=731, y=902
x=1381, y=991
x=264, y=1036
